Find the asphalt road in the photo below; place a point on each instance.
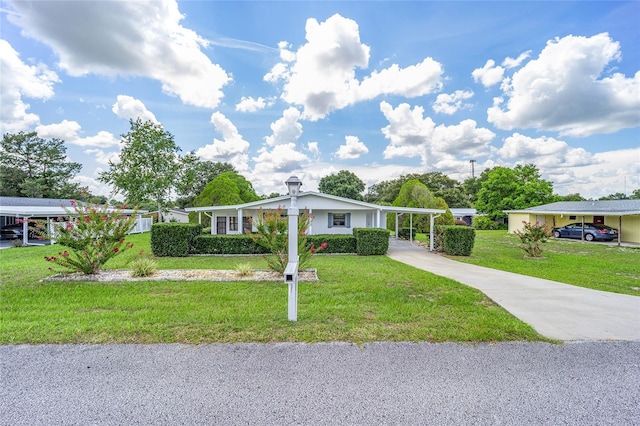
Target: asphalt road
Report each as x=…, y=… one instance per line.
x=586, y=383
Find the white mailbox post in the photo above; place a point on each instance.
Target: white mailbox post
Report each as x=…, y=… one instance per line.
x=291, y=271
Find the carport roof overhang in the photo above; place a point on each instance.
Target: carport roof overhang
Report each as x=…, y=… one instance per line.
x=38, y=211
x=579, y=212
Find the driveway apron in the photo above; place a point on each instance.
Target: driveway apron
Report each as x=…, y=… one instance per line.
x=556, y=310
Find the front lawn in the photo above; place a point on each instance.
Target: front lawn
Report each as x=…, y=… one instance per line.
x=358, y=299
x=586, y=264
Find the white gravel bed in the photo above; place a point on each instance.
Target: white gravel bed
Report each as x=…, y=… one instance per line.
x=116, y=275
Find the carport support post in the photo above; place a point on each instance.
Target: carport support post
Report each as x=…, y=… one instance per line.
x=431, y=224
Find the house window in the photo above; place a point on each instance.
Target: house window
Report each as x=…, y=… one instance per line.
x=339, y=220
x=233, y=223
x=246, y=224
x=598, y=220
x=572, y=217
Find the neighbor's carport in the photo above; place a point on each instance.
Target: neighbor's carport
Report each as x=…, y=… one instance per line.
x=26, y=213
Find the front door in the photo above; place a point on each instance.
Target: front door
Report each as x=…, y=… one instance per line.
x=221, y=225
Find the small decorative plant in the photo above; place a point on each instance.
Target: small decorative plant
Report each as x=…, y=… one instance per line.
x=93, y=235
x=531, y=236
x=143, y=267
x=272, y=233
x=244, y=269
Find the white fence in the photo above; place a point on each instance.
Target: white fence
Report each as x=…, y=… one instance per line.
x=143, y=224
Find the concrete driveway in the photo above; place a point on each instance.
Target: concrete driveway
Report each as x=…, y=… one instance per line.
x=556, y=310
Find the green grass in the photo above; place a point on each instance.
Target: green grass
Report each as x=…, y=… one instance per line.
x=592, y=265
x=358, y=299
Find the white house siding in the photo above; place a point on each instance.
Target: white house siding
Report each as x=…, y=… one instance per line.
x=358, y=219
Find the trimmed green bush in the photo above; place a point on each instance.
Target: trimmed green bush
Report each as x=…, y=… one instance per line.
x=336, y=243
x=226, y=244
x=484, y=223
x=454, y=240
x=172, y=239
x=407, y=233
x=371, y=241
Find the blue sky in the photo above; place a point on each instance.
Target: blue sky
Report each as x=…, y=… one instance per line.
x=310, y=88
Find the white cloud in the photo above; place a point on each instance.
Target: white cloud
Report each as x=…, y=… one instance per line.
x=606, y=175
x=232, y=148
x=545, y=152
x=513, y=63
x=450, y=103
x=312, y=147
x=21, y=80
x=286, y=129
x=128, y=107
x=408, y=132
x=71, y=132
x=410, y=135
x=461, y=139
x=284, y=158
x=320, y=75
x=488, y=75
x=352, y=149
x=412, y=81
x=102, y=157
x=564, y=90
x=139, y=38
x=249, y=104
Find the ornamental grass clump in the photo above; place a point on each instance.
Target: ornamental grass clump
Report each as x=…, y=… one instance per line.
x=272, y=233
x=143, y=267
x=92, y=234
x=531, y=236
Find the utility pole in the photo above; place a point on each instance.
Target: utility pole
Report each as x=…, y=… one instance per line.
x=473, y=169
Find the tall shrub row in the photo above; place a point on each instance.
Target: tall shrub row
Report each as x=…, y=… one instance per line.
x=173, y=239
x=371, y=241
x=181, y=239
x=454, y=240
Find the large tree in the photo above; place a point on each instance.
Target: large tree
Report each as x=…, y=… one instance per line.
x=34, y=167
x=149, y=165
x=226, y=189
x=342, y=184
x=195, y=174
x=414, y=193
x=512, y=189
x=438, y=183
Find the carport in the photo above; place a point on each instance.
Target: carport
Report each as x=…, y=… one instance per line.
x=26, y=213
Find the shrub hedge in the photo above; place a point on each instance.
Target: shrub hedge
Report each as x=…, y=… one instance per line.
x=336, y=243
x=371, y=241
x=226, y=244
x=182, y=239
x=173, y=239
x=454, y=240
x=407, y=233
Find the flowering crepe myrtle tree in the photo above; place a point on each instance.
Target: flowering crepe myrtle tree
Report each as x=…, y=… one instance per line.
x=92, y=234
x=531, y=236
x=272, y=233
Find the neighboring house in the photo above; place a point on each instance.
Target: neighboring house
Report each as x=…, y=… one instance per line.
x=331, y=214
x=465, y=215
x=16, y=209
x=176, y=215
x=171, y=215
x=621, y=214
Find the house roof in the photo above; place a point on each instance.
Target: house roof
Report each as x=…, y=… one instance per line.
x=310, y=194
x=587, y=208
x=34, y=202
